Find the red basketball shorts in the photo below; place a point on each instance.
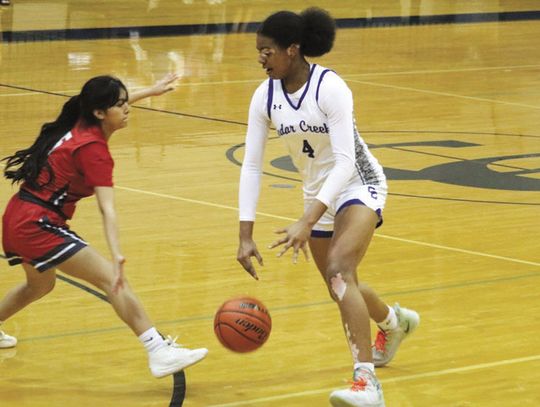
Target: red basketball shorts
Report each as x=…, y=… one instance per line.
x=37, y=235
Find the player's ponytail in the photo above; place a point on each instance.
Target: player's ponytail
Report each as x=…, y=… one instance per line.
x=99, y=93
x=319, y=32
x=26, y=164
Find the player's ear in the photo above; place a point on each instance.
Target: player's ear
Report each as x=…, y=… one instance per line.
x=99, y=113
x=293, y=50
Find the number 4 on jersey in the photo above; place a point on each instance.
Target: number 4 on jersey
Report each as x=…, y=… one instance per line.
x=306, y=148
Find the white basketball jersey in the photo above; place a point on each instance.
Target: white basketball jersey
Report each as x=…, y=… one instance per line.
x=304, y=128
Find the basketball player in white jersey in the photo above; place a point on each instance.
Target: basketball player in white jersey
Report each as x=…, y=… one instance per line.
x=344, y=187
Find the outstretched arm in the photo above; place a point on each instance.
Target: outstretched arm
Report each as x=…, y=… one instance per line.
x=165, y=84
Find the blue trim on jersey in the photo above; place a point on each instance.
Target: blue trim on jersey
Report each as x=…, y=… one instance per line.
x=322, y=233
x=349, y=203
x=319, y=84
x=270, y=97
x=330, y=233
x=303, y=94
x=359, y=202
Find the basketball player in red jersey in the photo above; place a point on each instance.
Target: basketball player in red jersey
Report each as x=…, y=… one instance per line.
x=68, y=161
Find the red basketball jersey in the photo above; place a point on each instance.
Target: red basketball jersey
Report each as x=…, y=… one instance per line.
x=75, y=175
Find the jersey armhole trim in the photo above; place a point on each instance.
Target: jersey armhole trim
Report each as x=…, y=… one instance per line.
x=270, y=97
x=319, y=84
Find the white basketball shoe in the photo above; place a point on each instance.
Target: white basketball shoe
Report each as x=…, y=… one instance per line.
x=172, y=358
x=365, y=391
x=7, y=341
x=387, y=342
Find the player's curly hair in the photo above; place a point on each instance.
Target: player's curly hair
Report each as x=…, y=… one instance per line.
x=313, y=29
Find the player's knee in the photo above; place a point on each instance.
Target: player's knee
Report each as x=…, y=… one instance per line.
x=338, y=282
x=103, y=277
x=108, y=285
x=42, y=288
x=105, y=284
x=50, y=285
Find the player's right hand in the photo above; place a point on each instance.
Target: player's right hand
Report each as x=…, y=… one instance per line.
x=246, y=250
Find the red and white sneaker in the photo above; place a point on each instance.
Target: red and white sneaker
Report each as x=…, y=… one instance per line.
x=365, y=391
x=387, y=342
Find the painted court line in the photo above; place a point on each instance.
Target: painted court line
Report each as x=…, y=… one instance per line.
x=196, y=201
x=416, y=242
x=455, y=249
x=400, y=239
x=348, y=77
x=435, y=373
x=432, y=92
x=434, y=71
x=132, y=88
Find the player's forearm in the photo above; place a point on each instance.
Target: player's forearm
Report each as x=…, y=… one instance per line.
x=140, y=94
x=314, y=212
x=110, y=227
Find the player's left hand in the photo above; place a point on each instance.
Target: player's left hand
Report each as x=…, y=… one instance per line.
x=296, y=236
x=166, y=84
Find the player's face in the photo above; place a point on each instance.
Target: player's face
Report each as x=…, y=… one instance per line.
x=274, y=59
x=116, y=117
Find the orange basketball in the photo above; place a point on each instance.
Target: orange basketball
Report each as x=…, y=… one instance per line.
x=242, y=324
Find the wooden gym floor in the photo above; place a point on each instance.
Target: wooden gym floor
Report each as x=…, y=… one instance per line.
x=447, y=95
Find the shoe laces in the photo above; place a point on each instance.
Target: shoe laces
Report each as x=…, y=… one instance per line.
x=359, y=384
x=170, y=341
x=380, y=341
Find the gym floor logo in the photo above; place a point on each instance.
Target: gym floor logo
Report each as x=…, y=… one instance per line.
x=495, y=172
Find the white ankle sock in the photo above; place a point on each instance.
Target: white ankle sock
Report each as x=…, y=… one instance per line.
x=390, y=322
x=152, y=339
x=365, y=365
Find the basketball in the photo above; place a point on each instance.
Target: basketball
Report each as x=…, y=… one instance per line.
x=242, y=324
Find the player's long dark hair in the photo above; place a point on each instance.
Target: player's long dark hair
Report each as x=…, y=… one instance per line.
x=314, y=29
x=99, y=93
